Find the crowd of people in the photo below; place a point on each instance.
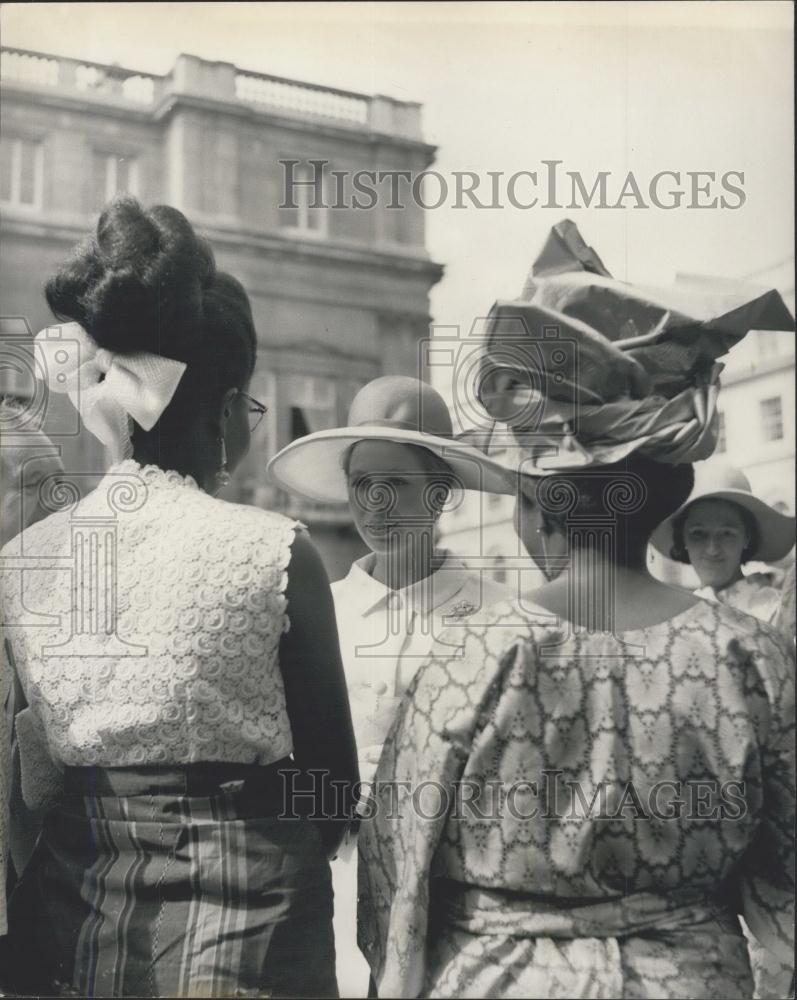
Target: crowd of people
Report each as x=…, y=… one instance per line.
x=222, y=776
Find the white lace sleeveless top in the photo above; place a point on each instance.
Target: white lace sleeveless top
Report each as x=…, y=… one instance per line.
x=144, y=622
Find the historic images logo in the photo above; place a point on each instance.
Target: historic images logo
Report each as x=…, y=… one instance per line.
x=314, y=184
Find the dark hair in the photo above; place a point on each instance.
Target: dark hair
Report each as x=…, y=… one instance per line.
x=144, y=281
x=678, y=550
x=637, y=494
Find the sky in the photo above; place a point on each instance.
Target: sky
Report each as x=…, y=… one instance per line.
x=617, y=87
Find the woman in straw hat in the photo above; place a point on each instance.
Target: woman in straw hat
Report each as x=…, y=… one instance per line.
x=596, y=788
x=722, y=526
x=396, y=463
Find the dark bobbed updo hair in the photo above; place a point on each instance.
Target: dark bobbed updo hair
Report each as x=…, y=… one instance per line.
x=642, y=495
x=144, y=281
x=678, y=550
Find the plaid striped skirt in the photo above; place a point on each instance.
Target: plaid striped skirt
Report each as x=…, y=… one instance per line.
x=144, y=887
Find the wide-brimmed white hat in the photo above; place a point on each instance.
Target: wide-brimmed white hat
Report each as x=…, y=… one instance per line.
x=391, y=408
x=720, y=481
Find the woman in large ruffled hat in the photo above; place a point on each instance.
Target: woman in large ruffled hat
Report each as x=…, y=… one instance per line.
x=722, y=526
x=396, y=463
x=583, y=802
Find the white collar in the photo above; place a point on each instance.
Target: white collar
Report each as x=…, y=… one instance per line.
x=364, y=594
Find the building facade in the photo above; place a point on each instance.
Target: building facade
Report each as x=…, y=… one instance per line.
x=756, y=404
x=262, y=166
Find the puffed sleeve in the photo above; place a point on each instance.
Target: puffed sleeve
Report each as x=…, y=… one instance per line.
x=448, y=703
x=768, y=870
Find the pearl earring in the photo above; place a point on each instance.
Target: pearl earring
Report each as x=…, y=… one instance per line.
x=223, y=476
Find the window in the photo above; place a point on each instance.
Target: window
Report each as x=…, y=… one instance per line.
x=304, y=203
x=722, y=443
x=114, y=175
x=772, y=418
x=312, y=404
x=21, y=172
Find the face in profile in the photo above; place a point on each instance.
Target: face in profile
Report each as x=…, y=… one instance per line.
x=715, y=538
x=393, y=493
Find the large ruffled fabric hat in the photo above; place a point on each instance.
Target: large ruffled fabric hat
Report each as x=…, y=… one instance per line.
x=584, y=369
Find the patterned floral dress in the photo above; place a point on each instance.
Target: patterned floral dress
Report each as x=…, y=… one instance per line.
x=561, y=814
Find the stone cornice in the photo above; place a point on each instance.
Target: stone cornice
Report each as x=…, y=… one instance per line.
x=367, y=257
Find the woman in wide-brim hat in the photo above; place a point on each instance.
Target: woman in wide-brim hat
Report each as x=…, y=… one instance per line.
x=396, y=463
x=722, y=526
x=550, y=842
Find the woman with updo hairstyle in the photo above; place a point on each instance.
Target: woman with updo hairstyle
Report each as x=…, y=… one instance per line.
x=584, y=797
x=184, y=674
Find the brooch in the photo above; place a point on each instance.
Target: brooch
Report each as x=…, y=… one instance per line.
x=461, y=609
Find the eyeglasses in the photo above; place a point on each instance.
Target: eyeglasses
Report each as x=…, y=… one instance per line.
x=256, y=410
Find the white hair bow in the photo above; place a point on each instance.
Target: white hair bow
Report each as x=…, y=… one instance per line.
x=107, y=389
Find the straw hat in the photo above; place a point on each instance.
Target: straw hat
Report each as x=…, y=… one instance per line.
x=391, y=408
x=719, y=481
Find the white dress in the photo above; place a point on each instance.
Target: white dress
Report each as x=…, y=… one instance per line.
x=385, y=636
